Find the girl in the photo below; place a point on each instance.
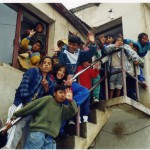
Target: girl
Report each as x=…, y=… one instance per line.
x=60, y=75
x=36, y=83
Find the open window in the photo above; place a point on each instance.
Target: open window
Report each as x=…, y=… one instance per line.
x=15, y=20
x=111, y=28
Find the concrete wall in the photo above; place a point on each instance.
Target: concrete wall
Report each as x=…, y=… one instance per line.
x=58, y=25
x=100, y=16
x=9, y=81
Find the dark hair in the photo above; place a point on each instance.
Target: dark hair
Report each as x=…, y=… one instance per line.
x=39, y=41
x=60, y=87
x=117, y=37
x=109, y=35
x=55, y=70
x=40, y=24
x=43, y=58
x=74, y=39
x=141, y=35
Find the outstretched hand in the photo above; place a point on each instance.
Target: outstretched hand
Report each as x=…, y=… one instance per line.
x=69, y=80
x=69, y=94
x=32, y=32
x=91, y=37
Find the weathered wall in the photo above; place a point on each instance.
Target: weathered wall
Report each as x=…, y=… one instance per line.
x=9, y=81
x=130, y=13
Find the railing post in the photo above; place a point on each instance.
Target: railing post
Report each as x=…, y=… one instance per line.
x=78, y=122
x=106, y=83
x=137, y=84
x=123, y=73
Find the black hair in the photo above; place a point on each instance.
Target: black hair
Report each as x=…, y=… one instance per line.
x=60, y=87
x=117, y=37
x=109, y=36
x=74, y=39
x=141, y=35
x=39, y=41
x=40, y=24
x=43, y=58
x=55, y=70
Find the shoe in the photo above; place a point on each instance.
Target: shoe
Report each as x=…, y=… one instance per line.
x=85, y=118
x=71, y=122
x=70, y=129
x=95, y=99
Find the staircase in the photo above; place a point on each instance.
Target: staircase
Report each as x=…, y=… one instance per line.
x=101, y=113
x=99, y=118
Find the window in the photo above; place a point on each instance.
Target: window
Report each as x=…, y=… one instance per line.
x=8, y=19
x=14, y=22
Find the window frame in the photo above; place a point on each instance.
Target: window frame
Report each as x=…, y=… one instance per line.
x=18, y=31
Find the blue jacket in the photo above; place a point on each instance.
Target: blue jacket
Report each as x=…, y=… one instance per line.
x=82, y=56
x=31, y=87
x=142, y=49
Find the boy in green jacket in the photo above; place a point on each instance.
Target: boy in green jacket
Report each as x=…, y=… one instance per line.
x=48, y=114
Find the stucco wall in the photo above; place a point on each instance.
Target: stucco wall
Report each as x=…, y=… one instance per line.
x=130, y=13
x=9, y=81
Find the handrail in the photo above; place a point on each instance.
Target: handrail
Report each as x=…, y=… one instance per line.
x=124, y=72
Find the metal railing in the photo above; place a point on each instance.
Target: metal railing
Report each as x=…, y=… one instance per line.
x=106, y=76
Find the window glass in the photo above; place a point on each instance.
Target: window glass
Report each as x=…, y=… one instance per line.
x=8, y=19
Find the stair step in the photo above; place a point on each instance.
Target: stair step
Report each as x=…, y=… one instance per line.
x=70, y=142
x=88, y=132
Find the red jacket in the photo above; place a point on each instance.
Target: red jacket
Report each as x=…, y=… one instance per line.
x=85, y=79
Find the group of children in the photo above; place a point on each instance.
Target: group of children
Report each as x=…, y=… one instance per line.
x=34, y=92
x=48, y=96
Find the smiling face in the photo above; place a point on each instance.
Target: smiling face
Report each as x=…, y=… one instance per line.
x=61, y=73
x=73, y=47
x=60, y=96
x=46, y=65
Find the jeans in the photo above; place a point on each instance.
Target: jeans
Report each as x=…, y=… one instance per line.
x=40, y=140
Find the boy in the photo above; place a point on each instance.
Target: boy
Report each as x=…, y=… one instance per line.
x=72, y=56
x=32, y=54
x=48, y=114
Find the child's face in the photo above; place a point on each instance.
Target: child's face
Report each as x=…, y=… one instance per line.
x=39, y=28
x=61, y=73
x=144, y=39
x=46, y=66
x=60, y=45
x=36, y=47
x=85, y=64
x=120, y=41
x=73, y=47
x=109, y=40
x=60, y=96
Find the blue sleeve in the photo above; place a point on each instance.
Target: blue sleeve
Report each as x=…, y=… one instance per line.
x=86, y=55
x=22, y=93
x=141, y=76
x=80, y=93
x=61, y=55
